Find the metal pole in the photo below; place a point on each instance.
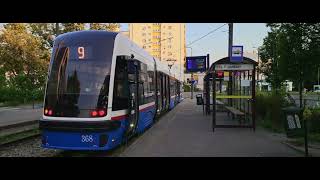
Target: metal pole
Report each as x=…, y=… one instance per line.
x=191, y=76
x=318, y=75
x=191, y=79
x=230, y=39
x=57, y=29
x=305, y=138
x=229, y=54
x=208, y=62
x=253, y=101
x=301, y=107
x=191, y=85
x=258, y=71
x=213, y=99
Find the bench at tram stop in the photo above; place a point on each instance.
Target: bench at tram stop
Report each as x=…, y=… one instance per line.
x=235, y=113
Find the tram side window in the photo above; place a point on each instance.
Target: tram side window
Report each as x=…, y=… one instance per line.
x=144, y=83
x=151, y=87
x=172, y=88
x=120, y=92
x=141, y=94
x=159, y=84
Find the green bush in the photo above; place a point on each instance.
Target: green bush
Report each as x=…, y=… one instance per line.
x=269, y=109
x=19, y=89
x=187, y=88
x=312, y=116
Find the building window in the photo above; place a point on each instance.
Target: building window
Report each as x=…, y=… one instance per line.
x=144, y=47
x=143, y=34
x=144, y=28
x=169, y=46
x=169, y=27
x=144, y=40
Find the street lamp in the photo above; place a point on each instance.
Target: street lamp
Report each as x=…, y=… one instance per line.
x=191, y=76
x=190, y=49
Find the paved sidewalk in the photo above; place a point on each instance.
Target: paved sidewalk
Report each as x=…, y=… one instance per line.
x=19, y=114
x=185, y=131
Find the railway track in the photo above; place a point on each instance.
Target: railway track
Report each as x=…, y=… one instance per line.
x=15, y=133
x=23, y=140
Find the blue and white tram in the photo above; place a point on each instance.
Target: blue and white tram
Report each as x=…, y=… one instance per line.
x=101, y=90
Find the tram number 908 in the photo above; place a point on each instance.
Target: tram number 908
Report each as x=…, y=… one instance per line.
x=86, y=138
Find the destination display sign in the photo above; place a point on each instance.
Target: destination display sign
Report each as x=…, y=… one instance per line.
x=222, y=67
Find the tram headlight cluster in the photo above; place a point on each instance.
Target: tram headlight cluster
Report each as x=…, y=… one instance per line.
x=48, y=112
x=98, y=113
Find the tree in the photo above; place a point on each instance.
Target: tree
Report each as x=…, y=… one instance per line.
x=294, y=50
x=23, y=58
x=69, y=27
x=296, y=47
x=105, y=26
x=268, y=54
x=46, y=31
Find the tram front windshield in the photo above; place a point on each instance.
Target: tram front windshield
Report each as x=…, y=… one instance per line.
x=79, y=77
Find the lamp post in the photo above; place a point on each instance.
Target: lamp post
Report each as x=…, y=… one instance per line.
x=258, y=62
x=191, y=76
x=318, y=75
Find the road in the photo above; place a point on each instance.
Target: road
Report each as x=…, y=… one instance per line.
x=312, y=100
x=185, y=131
x=12, y=115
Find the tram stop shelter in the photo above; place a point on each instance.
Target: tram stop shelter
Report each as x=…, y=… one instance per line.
x=231, y=86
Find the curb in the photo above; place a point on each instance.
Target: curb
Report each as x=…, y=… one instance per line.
x=301, y=150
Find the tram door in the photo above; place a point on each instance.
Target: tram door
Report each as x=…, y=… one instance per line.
x=133, y=107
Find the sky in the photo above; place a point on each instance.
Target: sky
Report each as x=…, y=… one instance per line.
x=249, y=35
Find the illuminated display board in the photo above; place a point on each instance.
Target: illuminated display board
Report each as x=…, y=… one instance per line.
x=196, y=64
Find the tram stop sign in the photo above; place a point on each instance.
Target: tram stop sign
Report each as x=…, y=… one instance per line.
x=236, y=54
